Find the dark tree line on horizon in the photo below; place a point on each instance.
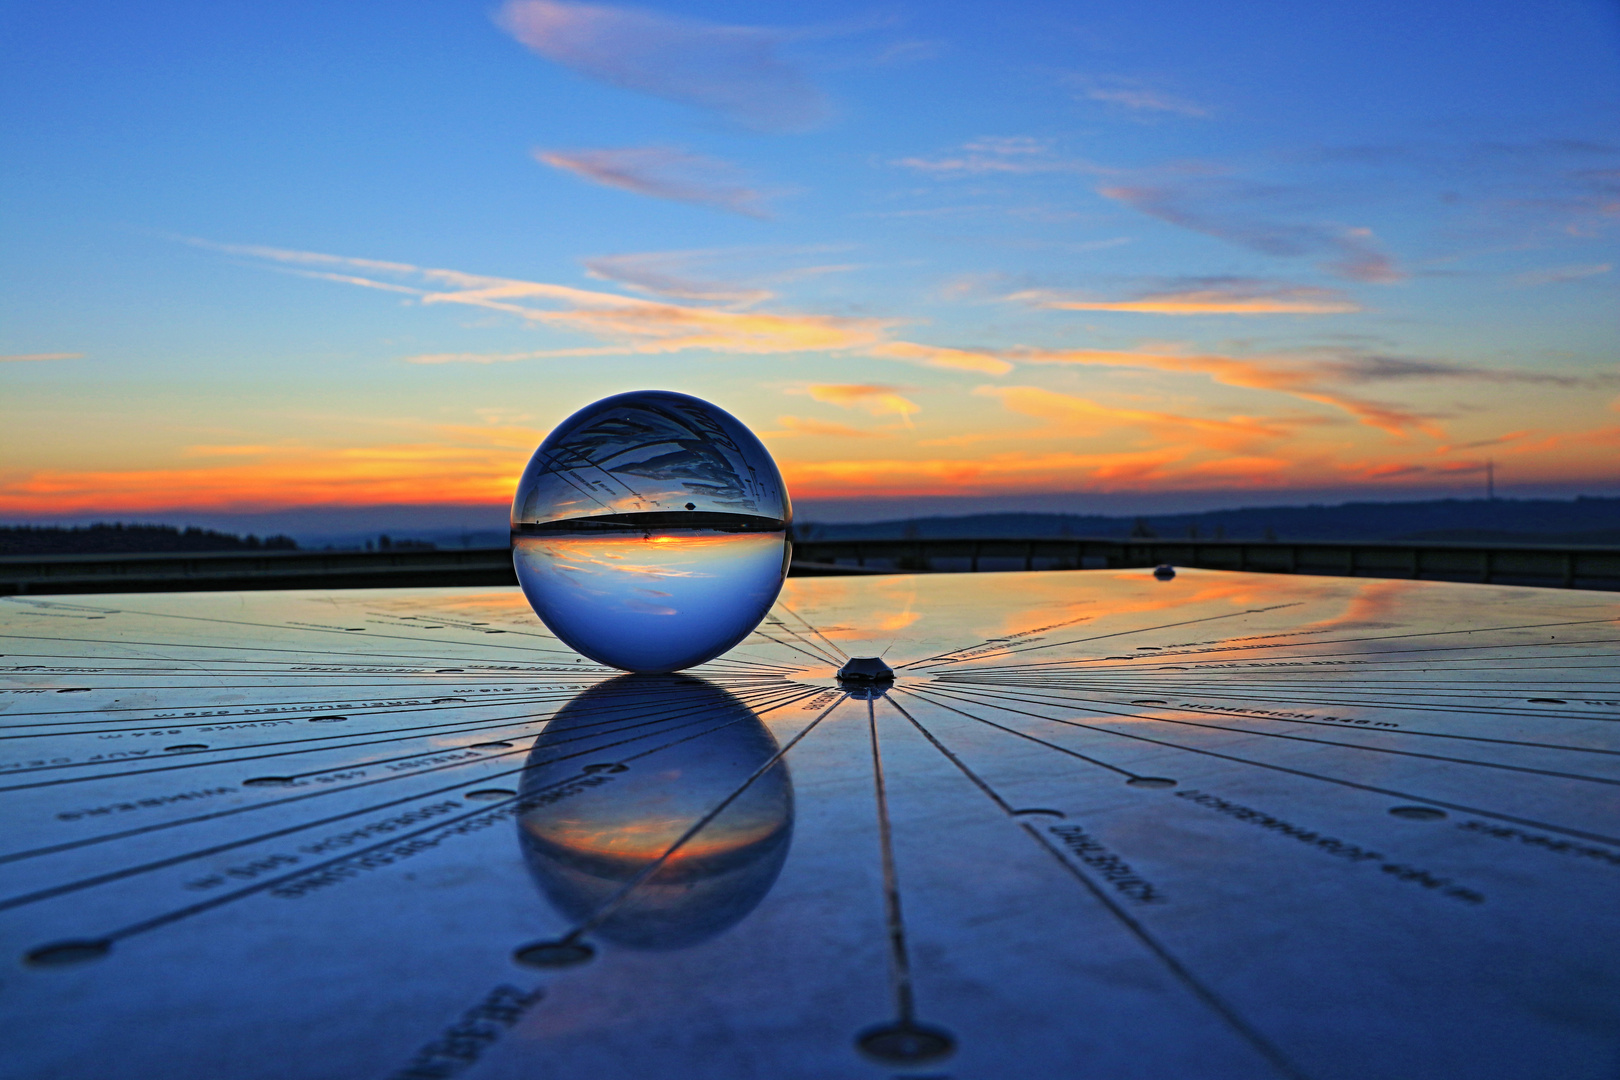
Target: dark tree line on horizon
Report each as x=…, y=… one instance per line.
x=118, y=539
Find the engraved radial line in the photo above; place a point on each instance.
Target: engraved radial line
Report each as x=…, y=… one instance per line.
x=344, y=655
x=88, y=841
x=761, y=667
x=811, y=627
x=740, y=695
x=1583, y=834
x=371, y=635
x=1422, y=633
x=1244, y=1029
x=785, y=628
x=1182, y=655
x=817, y=657
x=214, y=902
x=991, y=641
x=368, y=706
x=360, y=740
x=1022, y=735
x=1321, y=742
x=369, y=712
x=899, y=958
x=251, y=711
x=1380, y=637
x=1242, y=715
x=222, y=761
x=1120, y=633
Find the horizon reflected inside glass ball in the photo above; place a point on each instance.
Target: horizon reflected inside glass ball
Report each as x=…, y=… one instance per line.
x=649, y=531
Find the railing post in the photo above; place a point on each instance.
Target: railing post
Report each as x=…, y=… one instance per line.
x=973, y=566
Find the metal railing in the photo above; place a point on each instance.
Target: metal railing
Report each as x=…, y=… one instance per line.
x=1567, y=567
x=1518, y=564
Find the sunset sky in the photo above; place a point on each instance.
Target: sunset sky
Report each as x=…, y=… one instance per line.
x=260, y=256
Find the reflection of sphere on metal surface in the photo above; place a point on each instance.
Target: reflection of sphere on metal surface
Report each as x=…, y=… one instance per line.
x=1164, y=571
x=595, y=822
x=649, y=531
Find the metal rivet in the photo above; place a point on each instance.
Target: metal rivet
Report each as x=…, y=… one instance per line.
x=1417, y=813
x=554, y=954
x=62, y=953
x=905, y=1043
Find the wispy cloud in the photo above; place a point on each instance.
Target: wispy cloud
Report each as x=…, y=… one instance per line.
x=875, y=398
x=26, y=358
x=735, y=71
x=936, y=356
x=507, y=357
x=1207, y=296
x=663, y=172
x=992, y=154
x=1077, y=416
x=1480, y=444
x=1318, y=377
x=703, y=274
x=1223, y=209
x=1136, y=96
x=1558, y=274
x=799, y=425
x=669, y=273
x=626, y=325
x=1023, y=471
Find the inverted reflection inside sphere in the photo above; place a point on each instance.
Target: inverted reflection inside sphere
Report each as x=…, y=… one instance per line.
x=593, y=826
x=649, y=531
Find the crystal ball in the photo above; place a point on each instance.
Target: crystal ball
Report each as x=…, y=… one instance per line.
x=650, y=531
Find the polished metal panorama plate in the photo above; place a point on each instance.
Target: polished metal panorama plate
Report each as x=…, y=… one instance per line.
x=1101, y=826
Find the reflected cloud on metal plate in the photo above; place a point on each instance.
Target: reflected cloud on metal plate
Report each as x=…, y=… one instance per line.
x=598, y=832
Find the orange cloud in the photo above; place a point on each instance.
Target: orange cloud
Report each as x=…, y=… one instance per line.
x=1302, y=379
x=628, y=324
x=1297, y=301
x=875, y=398
x=1080, y=416
x=1068, y=471
x=798, y=425
x=934, y=356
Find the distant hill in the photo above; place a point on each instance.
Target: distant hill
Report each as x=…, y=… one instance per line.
x=1584, y=520
x=115, y=539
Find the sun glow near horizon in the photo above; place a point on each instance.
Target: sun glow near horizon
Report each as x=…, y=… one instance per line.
x=916, y=258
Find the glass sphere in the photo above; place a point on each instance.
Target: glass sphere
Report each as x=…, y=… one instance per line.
x=649, y=531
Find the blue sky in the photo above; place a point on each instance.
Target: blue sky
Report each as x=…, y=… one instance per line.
x=282, y=255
